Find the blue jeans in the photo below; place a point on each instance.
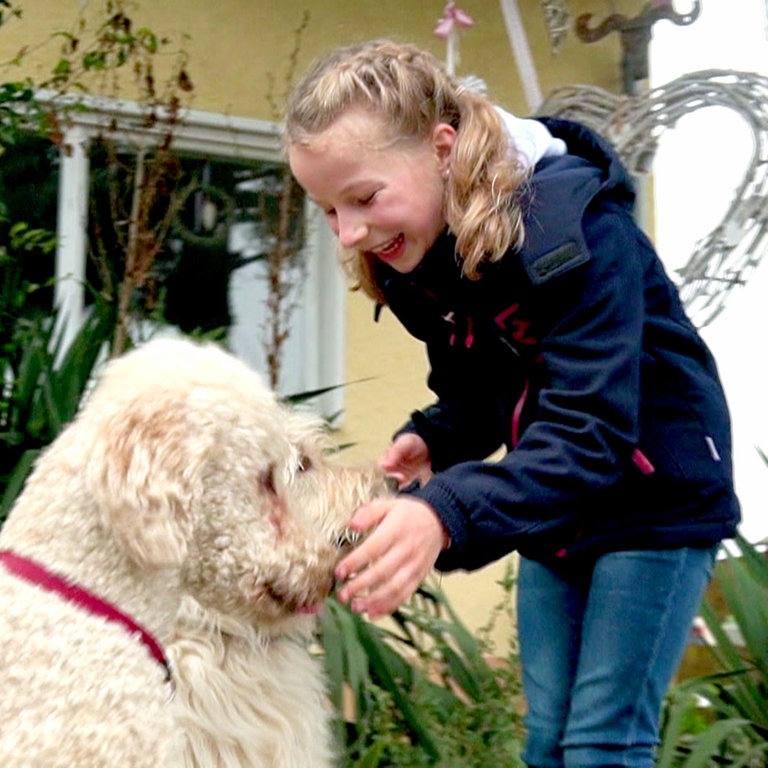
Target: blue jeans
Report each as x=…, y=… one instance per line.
x=599, y=645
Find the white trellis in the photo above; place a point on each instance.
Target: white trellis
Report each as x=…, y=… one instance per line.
x=726, y=256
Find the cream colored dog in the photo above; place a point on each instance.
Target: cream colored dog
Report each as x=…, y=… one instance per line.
x=178, y=482
x=252, y=694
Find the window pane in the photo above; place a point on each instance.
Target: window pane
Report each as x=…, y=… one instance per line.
x=203, y=219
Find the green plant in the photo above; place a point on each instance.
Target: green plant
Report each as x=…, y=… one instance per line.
x=722, y=718
x=42, y=388
x=420, y=690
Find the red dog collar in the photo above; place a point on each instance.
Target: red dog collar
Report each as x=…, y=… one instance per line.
x=37, y=574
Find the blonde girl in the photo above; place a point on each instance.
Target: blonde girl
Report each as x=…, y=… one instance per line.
x=509, y=248
x=411, y=94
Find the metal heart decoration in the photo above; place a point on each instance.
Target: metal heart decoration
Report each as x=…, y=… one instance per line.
x=634, y=124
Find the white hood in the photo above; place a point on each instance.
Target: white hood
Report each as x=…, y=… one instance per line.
x=531, y=138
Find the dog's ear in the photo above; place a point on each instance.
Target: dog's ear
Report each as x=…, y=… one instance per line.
x=144, y=474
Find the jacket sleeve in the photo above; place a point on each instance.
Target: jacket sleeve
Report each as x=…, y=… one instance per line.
x=455, y=433
x=586, y=413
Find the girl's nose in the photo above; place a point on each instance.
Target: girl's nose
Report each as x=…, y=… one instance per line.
x=352, y=230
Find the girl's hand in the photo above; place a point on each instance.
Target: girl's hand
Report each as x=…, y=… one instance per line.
x=407, y=459
x=383, y=571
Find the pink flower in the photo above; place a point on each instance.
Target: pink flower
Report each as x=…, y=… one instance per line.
x=452, y=19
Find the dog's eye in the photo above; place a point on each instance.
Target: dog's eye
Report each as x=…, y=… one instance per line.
x=305, y=464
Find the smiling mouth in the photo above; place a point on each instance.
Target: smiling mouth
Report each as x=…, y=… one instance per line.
x=391, y=248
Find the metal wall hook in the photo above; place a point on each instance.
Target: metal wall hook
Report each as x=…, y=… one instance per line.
x=635, y=34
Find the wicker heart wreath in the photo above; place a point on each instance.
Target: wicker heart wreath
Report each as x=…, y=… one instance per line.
x=634, y=124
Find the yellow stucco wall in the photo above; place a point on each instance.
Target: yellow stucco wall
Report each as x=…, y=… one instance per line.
x=233, y=45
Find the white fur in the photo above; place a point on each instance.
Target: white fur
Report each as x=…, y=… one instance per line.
x=245, y=699
x=180, y=490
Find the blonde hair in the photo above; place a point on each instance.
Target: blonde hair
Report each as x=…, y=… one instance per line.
x=412, y=91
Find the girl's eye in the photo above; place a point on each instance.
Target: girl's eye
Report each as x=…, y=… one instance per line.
x=367, y=200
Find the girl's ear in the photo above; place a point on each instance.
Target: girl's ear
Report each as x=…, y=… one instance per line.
x=443, y=139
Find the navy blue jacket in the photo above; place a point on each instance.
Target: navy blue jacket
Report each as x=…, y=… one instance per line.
x=575, y=354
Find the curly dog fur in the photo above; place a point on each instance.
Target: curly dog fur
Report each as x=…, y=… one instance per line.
x=252, y=694
x=182, y=493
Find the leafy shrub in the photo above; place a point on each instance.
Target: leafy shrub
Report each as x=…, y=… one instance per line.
x=42, y=386
x=722, y=718
x=420, y=690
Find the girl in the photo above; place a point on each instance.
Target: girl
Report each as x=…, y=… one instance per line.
x=508, y=247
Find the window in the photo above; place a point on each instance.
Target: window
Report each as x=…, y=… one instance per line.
x=210, y=274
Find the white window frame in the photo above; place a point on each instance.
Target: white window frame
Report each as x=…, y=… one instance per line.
x=314, y=352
